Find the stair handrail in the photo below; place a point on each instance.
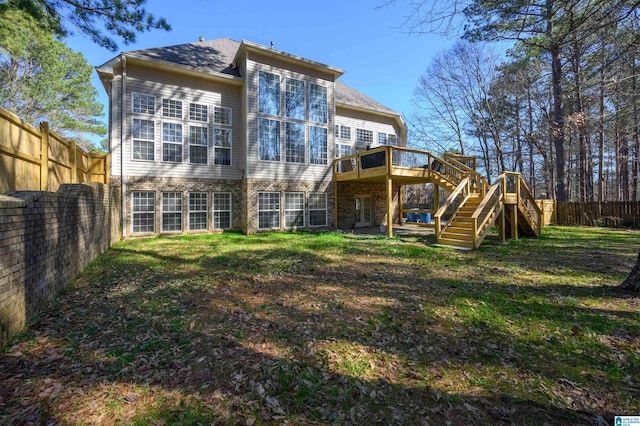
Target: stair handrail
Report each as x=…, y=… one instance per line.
x=482, y=183
x=464, y=184
x=529, y=202
x=454, y=173
x=481, y=216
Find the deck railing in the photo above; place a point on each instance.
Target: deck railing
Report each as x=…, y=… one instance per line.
x=489, y=208
x=455, y=199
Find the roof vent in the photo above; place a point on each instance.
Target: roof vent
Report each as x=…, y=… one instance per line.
x=272, y=44
x=201, y=39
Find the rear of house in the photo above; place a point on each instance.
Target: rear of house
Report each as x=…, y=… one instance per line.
x=226, y=135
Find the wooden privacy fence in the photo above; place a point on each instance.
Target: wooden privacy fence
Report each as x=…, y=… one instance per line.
x=41, y=160
x=610, y=213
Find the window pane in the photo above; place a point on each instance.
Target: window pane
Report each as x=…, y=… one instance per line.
x=268, y=210
x=198, y=112
x=317, y=145
x=345, y=132
x=171, y=211
x=143, y=104
x=294, y=99
x=143, y=210
x=294, y=143
x=318, y=109
x=171, y=108
x=221, y=211
x=365, y=136
x=222, y=147
x=143, y=129
x=382, y=138
x=222, y=116
x=197, y=211
x=269, y=140
x=317, y=209
x=269, y=93
x=143, y=150
x=293, y=209
x=198, y=144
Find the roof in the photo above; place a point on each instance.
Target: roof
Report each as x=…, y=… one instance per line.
x=216, y=56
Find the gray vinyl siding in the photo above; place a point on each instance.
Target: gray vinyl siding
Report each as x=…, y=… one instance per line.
x=368, y=121
x=116, y=106
x=150, y=82
x=257, y=169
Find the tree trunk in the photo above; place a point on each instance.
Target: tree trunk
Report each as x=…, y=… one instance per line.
x=632, y=283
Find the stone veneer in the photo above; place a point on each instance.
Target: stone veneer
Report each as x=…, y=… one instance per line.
x=46, y=239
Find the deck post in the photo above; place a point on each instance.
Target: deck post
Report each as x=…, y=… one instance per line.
x=501, y=226
x=514, y=222
x=389, y=206
x=400, y=205
x=335, y=203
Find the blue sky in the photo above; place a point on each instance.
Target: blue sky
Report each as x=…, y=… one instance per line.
x=359, y=36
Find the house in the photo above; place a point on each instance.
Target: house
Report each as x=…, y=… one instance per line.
x=231, y=135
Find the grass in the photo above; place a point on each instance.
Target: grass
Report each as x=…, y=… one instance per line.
x=307, y=328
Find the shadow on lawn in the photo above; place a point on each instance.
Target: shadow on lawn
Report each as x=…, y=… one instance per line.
x=273, y=332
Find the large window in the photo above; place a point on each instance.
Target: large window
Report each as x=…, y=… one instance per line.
x=198, y=112
x=198, y=202
x=171, y=108
x=345, y=132
x=268, y=210
x=342, y=150
x=268, y=93
x=318, y=106
x=198, y=144
x=221, y=210
x=171, y=211
x=294, y=99
x=317, y=145
x=317, y=209
x=143, y=212
x=172, y=142
x=294, y=143
x=222, y=116
x=387, y=139
x=143, y=135
x=268, y=139
x=222, y=147
x=143, y=104
x=365, y=136
x=294, y=209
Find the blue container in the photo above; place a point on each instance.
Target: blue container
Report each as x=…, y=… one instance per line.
x=412, y=217
x=425, y=217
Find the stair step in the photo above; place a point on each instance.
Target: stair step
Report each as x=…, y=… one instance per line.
x=455, y=243
x=457, y=236
x=462, y=219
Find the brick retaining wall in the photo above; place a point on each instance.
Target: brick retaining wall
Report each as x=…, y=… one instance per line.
x=46, y=239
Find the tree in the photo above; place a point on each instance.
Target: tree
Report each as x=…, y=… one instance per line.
x=98, y=19
x=632, y=283
x=42, y=79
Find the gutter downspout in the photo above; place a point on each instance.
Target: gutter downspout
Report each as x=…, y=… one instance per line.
x=123, y=185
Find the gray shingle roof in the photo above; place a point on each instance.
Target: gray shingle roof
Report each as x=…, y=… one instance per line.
x=217, y=55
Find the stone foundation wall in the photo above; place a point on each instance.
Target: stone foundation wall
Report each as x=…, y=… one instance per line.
x=46, y=239
x=347, y=208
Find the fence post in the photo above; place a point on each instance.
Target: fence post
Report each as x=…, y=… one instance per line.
x=74, y=161
x=107, y=170
x=44, y=155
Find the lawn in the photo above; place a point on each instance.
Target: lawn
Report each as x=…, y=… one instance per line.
x=303, y=328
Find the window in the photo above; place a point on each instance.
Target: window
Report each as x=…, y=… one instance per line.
x=365, y=136
x=345, y=132
x=268, y=210
x=171, y=108
x=294, y=99
x=221, y=210
x=143, y=212
x=172, y=142
x=342, y=150
x=336, y=132
x=318, y=107
x=198, y=112
x=382, y=138
x=143, y=104
x=222, y=116
x=294, y=209
x=294, y=143
x=269, y=93
x=198, y=202
x=317, y=145
x=143, y=134
x=268, y=139
x=171, y=211
x=317, y=209
x=222, y=147
x=392, y=139
x=198, y=144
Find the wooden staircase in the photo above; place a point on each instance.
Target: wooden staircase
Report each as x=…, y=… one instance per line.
x=460, y=232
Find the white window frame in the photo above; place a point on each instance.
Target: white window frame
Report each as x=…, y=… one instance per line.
x=227, y=112
x=360, y=133
x=133, y=103
x=206, y=115
x=313, y=161
x=215, y=210
x=290, y=158
x=220, y=147
x=191, y=144
x=300, y=196
x=163, y=212
x=343, y=131
x=163, y=142
x=134, y=139
x=152, y=212
x=168, y=113
x=270, y=193
x=205, y=211
x=325, y=209
x=322, y=90
x=392, y=139
x=279, y=135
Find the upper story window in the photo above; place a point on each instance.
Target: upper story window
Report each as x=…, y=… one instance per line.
x=345, y=132
x=269, y=93
x=382, y=138
x=171, y=108
x=318, y=106
x=143, y=135
x=317, y=145
x=143, y=104
x=198, y=144
x=222, y=147
x=294, y=99
x=392, y=139
x=222, y=116
x=172, y=142
x=294, y=143
x=365, y=136
x=268, y=139
x=198, y=112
